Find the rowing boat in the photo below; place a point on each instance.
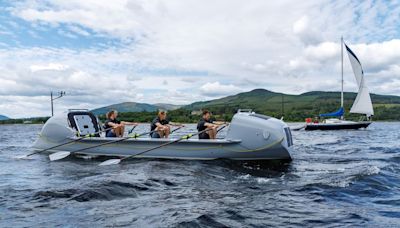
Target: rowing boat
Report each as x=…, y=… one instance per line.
x=250, y=136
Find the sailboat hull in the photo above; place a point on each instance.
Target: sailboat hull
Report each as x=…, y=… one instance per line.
x=361, y=105
x=337, y=126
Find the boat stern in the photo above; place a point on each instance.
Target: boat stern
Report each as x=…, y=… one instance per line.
x=263, y=137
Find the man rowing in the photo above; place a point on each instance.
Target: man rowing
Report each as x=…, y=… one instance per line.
x=207, y=123
x=116, y=127
x=161, y=126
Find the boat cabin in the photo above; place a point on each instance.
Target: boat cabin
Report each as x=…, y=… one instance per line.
x=84, y=122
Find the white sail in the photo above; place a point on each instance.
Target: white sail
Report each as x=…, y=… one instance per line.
x=363, y=103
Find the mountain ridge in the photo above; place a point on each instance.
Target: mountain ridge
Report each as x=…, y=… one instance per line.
x=292, y=107
x=134, y=107
x=297, y=107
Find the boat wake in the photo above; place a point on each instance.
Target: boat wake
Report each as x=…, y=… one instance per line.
x=110, y=190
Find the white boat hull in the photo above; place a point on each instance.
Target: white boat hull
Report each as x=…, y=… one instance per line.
x=248, y=138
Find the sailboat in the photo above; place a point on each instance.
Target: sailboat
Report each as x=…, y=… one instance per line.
x=362, y=104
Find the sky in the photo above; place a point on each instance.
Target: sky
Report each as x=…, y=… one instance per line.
x=173, y=51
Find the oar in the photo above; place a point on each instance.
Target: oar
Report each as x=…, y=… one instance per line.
x=169, y=133
x=222, y=128
x=176, y=129
x=117, y=161
x=62, y=144
x=62, y=154
x=133, y=128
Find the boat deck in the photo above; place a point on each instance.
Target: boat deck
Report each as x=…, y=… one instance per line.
x=155, y=140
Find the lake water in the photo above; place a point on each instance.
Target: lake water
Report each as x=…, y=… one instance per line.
x=337, y=178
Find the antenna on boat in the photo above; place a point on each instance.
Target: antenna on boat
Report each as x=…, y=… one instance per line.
x=341, y=51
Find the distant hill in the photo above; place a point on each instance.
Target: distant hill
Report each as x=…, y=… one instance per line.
x=167, y=106
x=251, y=99
x=3, y=117
x=292, y=107
x=297, y=107
x=134, y=107
x=126, y=107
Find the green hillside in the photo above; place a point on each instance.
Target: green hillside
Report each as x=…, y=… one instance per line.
x=297, y=107
x=3, y=117
x=134, y=107
x=126, y=107
x=31, y=120
x=167, y=106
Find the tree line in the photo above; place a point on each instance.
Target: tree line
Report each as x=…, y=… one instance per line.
x=226, y=112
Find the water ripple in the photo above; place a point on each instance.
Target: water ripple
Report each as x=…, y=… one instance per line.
x=337, y=179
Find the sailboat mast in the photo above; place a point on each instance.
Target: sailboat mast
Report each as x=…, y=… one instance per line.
x=341, y=49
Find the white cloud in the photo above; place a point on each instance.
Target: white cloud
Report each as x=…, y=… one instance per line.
x=306, y=31
x=285, y=46
x=216, y=89
x=393, y=86
x=301, y=25
x=378, y=55
x=78, y=30
x=50, y=66
x=323, y=51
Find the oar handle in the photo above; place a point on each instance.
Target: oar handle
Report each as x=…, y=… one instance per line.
x=176, y=129
x=146, y=133
x=130, y=131
x=222, y=128
x=188, y=136
x=117, y=161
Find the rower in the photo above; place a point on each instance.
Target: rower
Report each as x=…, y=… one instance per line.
x=161, y=126
x=118, y=127
x=206, y=122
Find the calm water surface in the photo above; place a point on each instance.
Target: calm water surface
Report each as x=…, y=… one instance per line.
x=337, y=178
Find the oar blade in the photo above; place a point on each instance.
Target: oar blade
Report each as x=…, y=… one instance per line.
x=110, y=162
x=59, y=155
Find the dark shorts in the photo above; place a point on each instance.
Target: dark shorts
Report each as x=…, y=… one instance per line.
x=155, y=135
x=110, y=134
x=204, y=135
